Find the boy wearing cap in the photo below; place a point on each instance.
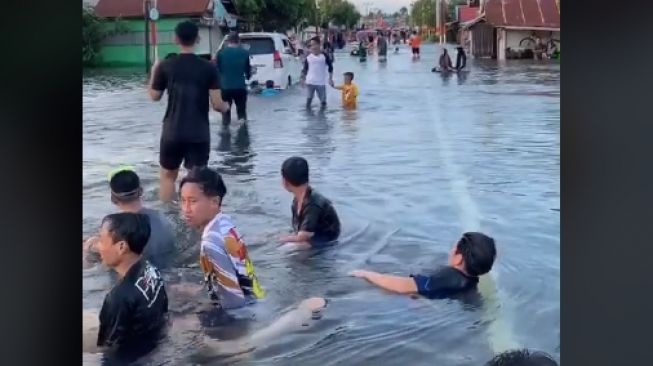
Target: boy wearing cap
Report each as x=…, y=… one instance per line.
x=126, y=194
x=472, y=256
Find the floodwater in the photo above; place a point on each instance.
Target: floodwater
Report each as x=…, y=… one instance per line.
x=423, y=159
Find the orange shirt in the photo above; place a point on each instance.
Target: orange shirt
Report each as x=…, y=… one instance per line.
x=349, y=95
x=415, y=41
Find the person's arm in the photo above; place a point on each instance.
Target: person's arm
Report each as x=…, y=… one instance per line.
x=355, y=91
x=308, y=226
x=329, y=68
x=115, y=318
x=158, y=82
x=398, y=284
x=302, y=78
x=214, y=92
x=248, y=68
x=339, y=87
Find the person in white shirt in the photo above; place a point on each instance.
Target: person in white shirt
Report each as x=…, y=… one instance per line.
x=317, y=66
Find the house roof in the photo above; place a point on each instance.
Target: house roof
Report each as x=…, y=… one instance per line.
x=134, y=8
x=466, y=13
x=523, y=13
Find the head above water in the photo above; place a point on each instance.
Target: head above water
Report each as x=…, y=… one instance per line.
x=125, y=187
x=445, y=52
x=349, y=76
x=123, y=236
x=233, y=38
x=315, y=45
x=201, y=194
x=269, y=84
x=294, y=172
x=186, y=34
x=522, y=357
x=474, y=254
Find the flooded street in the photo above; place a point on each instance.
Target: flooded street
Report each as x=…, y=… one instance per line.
x=423, y=159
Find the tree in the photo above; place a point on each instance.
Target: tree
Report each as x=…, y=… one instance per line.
x=94, y=31
x=340, y=12
x=403, y=10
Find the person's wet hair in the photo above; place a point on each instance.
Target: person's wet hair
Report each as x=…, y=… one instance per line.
x=315, y=39
x=295, y=171
x=233, y=38
x=133, y=228
x=209, y=181
x=187, y=33
x=350, y=74
x=522, y=357
x=125, y=187
x=269, y=84
x=478, y=252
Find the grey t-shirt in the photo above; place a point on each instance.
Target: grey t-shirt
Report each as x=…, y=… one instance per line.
x=160, y=249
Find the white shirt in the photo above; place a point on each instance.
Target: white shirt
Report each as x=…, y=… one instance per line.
x=317, y=73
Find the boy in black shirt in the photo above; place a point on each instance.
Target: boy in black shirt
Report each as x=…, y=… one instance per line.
x=191, y=82
x=134, y=313
x=472, y=256
x=314, y=219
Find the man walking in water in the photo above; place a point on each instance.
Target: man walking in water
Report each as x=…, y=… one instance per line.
x=234, y=69
x=314, y=73
x=190, y=82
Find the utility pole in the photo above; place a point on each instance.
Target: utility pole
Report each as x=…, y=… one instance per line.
x=146, y=10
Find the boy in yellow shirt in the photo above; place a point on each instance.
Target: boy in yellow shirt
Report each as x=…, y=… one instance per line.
x=349, y=91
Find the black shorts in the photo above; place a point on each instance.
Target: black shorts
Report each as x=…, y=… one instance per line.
x=415, y=51
x=172, y=153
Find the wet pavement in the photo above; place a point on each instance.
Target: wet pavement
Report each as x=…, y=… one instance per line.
x=424, y=158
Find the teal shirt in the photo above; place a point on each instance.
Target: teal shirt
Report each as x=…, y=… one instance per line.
x=233, y=68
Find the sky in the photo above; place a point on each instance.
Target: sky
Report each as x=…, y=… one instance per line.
x=388, y=6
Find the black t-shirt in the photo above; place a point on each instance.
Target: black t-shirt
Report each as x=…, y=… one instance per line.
x=134, y=314
x=188, y=79
x=444, y=282
x=317, y=216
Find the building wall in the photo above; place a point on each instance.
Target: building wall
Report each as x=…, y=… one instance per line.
x=513, y=37
x=128, y=49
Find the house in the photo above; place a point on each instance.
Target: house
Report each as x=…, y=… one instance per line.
x=505, y=28
x=214, y=17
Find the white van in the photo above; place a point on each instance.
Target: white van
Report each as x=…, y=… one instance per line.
x=272, y=57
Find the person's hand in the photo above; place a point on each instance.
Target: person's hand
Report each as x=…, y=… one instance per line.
x=360, y=273
x=331, y=82
x=224, y=108
x=302, y=82
x=90, y=244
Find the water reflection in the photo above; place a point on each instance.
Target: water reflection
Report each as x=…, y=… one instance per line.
x=236, y=155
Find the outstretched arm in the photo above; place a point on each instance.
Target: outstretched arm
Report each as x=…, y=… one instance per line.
x=398, y=284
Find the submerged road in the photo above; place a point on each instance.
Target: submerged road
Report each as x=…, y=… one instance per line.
x=424, y=158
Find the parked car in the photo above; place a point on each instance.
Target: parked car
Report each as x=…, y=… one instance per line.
x=273, y=57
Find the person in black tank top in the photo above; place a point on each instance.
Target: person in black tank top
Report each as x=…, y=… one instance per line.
x=472, y=256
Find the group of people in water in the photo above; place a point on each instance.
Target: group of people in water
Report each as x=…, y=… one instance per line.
x=137, y=242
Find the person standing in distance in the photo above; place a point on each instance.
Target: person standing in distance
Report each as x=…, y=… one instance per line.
x=190, y=82
x=234, y=70
x=314, y=74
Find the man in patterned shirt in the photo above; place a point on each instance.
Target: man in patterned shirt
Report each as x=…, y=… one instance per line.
x=228, y=271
